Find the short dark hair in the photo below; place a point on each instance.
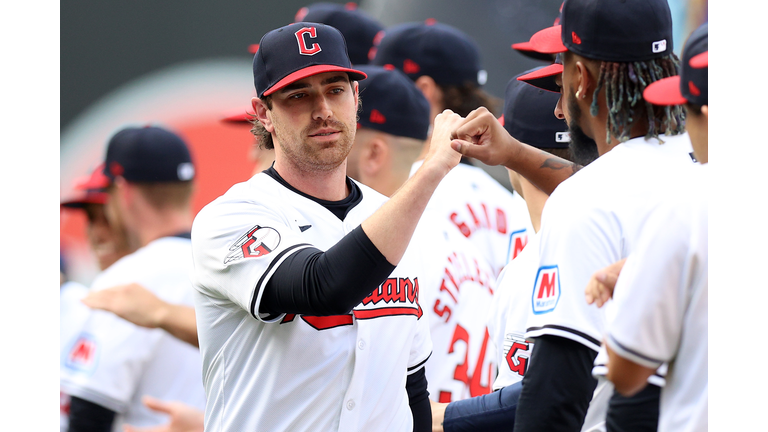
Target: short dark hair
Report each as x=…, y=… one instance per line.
x=465, y=98
x=691, y=108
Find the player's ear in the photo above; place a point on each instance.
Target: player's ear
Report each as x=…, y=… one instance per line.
x=585, y=81
x=376, y=156
x=260, y=109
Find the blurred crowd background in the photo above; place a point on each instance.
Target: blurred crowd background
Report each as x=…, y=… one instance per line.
x=187, y=65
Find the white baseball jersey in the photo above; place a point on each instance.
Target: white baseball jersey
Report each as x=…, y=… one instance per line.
x=73, y=315
x=113, y=362
x=463, y=361
x=493, y=218
x=592, y=220
x=508, y=321
x=661, y=302
x=295, y=372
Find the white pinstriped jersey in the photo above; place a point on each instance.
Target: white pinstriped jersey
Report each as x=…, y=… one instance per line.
x=463, y=361
x=661, y=302
x=113, y=362
x=493, y=218
x=296, y=372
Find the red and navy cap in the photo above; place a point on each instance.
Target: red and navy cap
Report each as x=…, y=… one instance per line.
x=543, y=77
x=393, y=103
x=691, y=85
x=148, y=154
x=442, y=52
x=89, y=190
x=358, y=28
x=529, y=115
x=296, y=51
x=610, y=30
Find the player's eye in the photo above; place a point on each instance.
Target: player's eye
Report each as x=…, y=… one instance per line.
x=297, y=96
x=337, y=90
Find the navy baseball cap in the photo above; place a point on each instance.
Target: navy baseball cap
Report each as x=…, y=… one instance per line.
x=543, y=77
x=296, y=51
x=610, y=30
x=393, y=104
x=358, y=28
x=691, y=85
x=148, y=154
x=528, y=115
x=442, y=52
x=89, y=190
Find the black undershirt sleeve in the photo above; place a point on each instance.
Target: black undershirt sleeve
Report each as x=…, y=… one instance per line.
x=418, y=399
x=638, y=413
x=313, y=282
x=86, y=416
x=557, y=387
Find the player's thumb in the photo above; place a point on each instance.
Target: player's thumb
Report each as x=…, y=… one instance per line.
x=156, y=404
x=463, y=147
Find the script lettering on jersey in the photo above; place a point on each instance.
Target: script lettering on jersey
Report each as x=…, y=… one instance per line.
x=480, y=218
x=459, y=270
x=82, y=356
x=310, y=32
x=546, y=290
x=395, y=296
x=257, y=242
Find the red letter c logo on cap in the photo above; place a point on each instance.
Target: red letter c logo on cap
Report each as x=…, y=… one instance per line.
x=303, y=49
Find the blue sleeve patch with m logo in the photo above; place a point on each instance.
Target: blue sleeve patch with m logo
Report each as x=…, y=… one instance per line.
x=546, y=290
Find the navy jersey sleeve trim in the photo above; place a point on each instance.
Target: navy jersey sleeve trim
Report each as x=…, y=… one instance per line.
x=565, y=329
x=274, y=262
x=420, y=364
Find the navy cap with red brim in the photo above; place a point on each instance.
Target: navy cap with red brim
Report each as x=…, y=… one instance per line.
x=527, y=50
x=544, y=78
x=548, y=41
x=665, y=92
x=313, y=70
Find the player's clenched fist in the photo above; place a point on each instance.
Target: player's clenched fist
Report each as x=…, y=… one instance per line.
x=440, y=151
x=482, y=137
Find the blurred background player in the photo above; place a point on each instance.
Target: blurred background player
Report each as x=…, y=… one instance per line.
x=107, y=242
x=392, y=129
x=582, y=229
x=660, y=308
x=113, y=363
x=445, y=65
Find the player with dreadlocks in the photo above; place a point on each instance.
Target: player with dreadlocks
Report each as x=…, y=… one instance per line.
x=610, y=52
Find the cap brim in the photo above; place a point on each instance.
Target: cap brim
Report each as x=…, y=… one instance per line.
x=544, y=78
x=548, y=41
x=314, y=70
x=97, y=180
x=527, y=50
x=700, y=61
x=253, y=48
x=84, y=199
x=665, y=92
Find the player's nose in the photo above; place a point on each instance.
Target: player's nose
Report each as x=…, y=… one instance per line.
x=559, y=108
x=322, y=109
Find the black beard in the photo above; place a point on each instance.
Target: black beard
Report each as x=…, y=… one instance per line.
x=583, y=149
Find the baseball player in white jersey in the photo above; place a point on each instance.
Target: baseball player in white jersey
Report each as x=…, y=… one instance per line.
x=594, y=218
x=307, y=291
x=113, y=363
x=660, y=302
x=445, y=64
x=108, y=244
x=392, y=129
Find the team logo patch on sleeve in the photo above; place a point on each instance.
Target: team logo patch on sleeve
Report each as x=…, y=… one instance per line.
x=546, y=290
x=82, y=356
x=256, y=243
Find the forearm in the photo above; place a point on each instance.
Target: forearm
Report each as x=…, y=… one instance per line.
x=179, y=321
x=544, y=170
